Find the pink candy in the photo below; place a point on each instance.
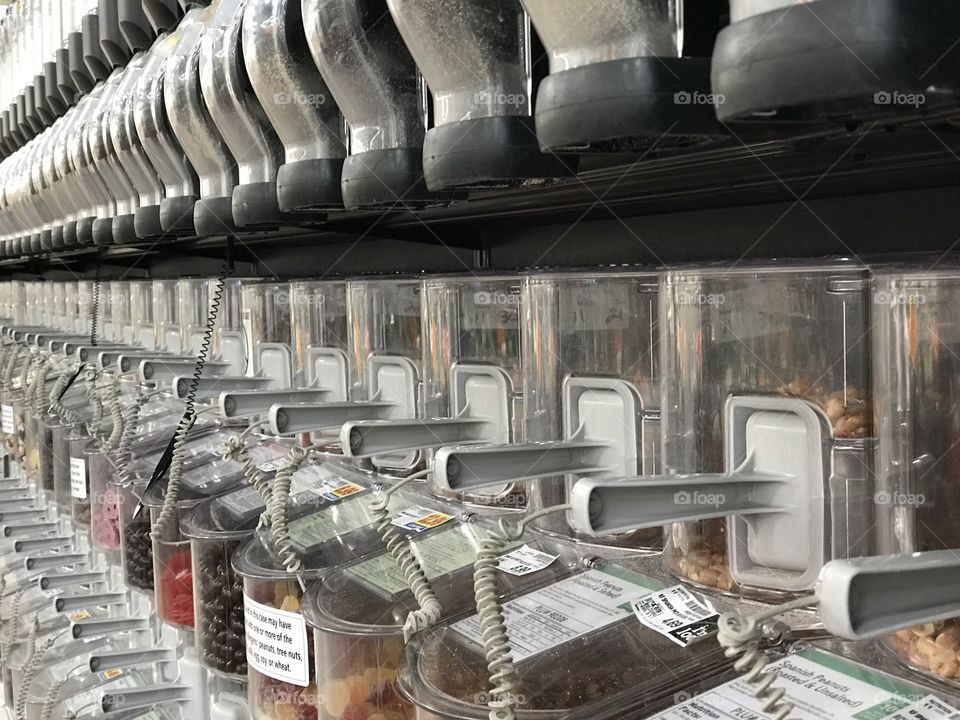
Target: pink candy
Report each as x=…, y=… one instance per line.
x=106, y=519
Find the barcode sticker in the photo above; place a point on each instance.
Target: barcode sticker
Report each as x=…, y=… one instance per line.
x=420, y=519
x=525, y=561
x=676, y=614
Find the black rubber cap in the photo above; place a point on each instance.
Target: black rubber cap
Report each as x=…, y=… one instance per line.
x=79, y=72
x=36, y=244
x=176, y=214
x=46, y=240
x=146, y=222
x=23, y=124
x=489, y=152
x=30, y=109
x=70, y=234
x=103, y=232
x=55, y=103
x=310, y=185
x=9, y=145
x=112, y=43
x=162, y=14
x=134, y=25
x=388, y=178
x=255, y=205
x=628, y=105
x=214, y=216
x=56, y=237
x=93, y=55
x=66, y=85
x=85, y=231
x=124, y=229
x=840, y=61
x=44, y=113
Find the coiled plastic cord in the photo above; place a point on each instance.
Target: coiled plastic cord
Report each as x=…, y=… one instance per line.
x=56, y=404
x=276, y=513
x=237, y=450
x=124, y=454
x=11, y=367
x=116, y=415
x=172, y=494
x=430, y=609
x=496, y=640
x=740, y=636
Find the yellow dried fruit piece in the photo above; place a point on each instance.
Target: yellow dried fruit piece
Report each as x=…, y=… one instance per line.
x=336, y=697
x=290, y=604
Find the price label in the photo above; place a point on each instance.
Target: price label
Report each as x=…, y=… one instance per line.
x=108, y=675
x=676, y=614
x=420, y=519
x=6, y=420
x=337, y=489
x=79, y=615
x=78, y=478
x=525, y=561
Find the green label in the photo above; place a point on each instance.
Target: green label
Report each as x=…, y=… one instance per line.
x=308, y=532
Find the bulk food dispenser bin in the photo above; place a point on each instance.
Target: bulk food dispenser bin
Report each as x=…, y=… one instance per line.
x=472, y=388
x=590, y=395
x=633, y=76
x=915, y=340
x=477, y=58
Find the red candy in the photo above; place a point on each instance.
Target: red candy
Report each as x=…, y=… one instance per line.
x=175, y=589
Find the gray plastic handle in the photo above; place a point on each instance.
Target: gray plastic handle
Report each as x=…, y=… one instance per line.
x=379, y=437
x=129, y=361
x=209, y=388
x=70, y=603
x=470, y=468
x=607, y=507
x=71, y=349
x=11, y=531
x=92, y=628
x=15, y=493
x=91, y=354
x=292, y=419
x=160, y=370
x=32, y=546
x=63, y=580
x=46, y=562
x=34, y=514
x=16, y=503
x=131, y=659
x=874, y=596
x=122, y=701
x=248, y=404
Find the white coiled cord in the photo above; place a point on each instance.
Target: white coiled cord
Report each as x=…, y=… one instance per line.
x=237, y=450
x=172, y=495
x=93, y=427
x=740, y=637
x=496, y=640
x=11, y=367
x=277, y=511
x=123, y=457
x=56, y=406
x=116, y=416
x=39, y=385
x=430, y=609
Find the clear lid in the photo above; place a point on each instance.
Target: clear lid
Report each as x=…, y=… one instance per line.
x=344, y=527
x=582, y=621
x=166, y=315
x=320, y=335
x=227, y=342
x=790, y=331
x=267, y=323
x=474, y=54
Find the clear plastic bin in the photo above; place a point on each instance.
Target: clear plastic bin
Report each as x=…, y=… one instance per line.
x=916, y=390
x=136, y=548
x=320, y=335
x=62, y=488
x=267, y=309
x=48, y=457
x=105, y=501
x=793, y=331
x=81, y=450
x=357, y=613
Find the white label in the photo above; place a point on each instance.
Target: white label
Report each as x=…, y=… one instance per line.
x=525, y=561
x=565, y=611
x=6, y=420
x=78, y=478
x=420, y=519
x=822, y=687
x=276, y=643
x=675, y=613
x=337, y=489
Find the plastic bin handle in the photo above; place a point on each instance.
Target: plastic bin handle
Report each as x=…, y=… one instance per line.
x=292, y=419
x=81, y=602
x=161, y=369
x=367, y=438
x=91, y=354
x=29, y=546
x=254, y=402
x=91, y=628
x=132, y=658
x=209, y=388
x=39, y=514
x=122, y=701
x=473, y=467
x=43, y=562
x=11, y=531
x=128, y=361
x=872, y=596
x=63, y=580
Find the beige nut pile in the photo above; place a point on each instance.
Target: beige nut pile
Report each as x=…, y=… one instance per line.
x=934, y=647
